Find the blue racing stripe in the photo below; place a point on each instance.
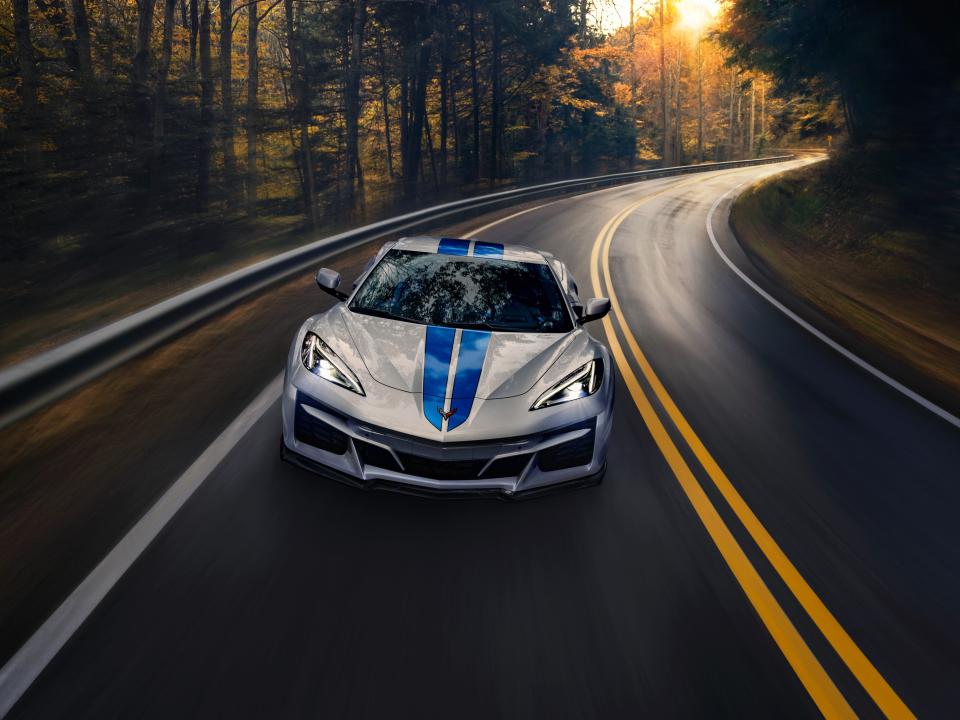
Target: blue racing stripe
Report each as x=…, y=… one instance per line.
x=453, y=246
x=436, y=367
x=473, y=349
x=488, y=248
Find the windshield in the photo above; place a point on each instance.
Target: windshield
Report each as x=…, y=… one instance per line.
x=465, y=292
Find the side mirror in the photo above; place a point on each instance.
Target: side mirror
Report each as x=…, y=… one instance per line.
x=596, y=308
x=329, y=281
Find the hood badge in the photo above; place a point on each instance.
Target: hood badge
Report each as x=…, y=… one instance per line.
x=448, y=414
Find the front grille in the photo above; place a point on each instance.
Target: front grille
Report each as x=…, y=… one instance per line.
x=572, y=453
x=441, y=469
x=314, y=431
x=376, y=456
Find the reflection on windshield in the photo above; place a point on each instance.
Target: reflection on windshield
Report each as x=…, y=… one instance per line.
x=459, y=291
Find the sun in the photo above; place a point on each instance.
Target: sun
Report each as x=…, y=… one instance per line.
x=691, y=15
x=696, y=14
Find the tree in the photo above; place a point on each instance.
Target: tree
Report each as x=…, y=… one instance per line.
x=445, y=82
x=55, y=11
x=352, y=100
x=496, y=97
x=141, y=59
x=301, y=111
x=205, y=140
x=893, y=65
x=81, y=29
x=384, y=102
x=194, y=30
x=27, y=89
x=475, y=92
x=160, y=93
x=226, y=96
x=253, y=88
x=664, y=101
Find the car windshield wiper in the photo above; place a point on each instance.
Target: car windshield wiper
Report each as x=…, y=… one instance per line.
x=377, y=312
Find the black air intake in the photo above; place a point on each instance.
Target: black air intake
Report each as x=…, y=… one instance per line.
x=314, y=431
x=572, y=453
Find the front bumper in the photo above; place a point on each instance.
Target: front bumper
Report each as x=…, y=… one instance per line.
x=325, y=440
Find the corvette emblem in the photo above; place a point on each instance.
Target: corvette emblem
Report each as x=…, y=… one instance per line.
x=446, y=415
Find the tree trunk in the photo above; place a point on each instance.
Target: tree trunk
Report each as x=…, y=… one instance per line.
x=699, y=100
x=763, y=110
x=742, y=140
x=495, y=100
x=753, y=122
x=432, y=155
x=55, y=11
x=163, y=69
x=384, y=102
x=404, y=110
x=582, y=22
x=226, y=98
x=475, y=86
x=287, y=103
x=81, y=29
x=444, y=94
x=141, y=60
x=27, y=65
x=141, y=105
x=206, y=111
x=302, y=112
x=633, y=82
x=457, y=139
x=664, y=101
x=194, y=29
x=352, y=97
x=107, y=29
x=417, y=112
x=253, y=87
x=733, y=85
x=678, y=114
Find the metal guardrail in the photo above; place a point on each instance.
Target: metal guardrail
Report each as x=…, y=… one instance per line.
x=38, y=381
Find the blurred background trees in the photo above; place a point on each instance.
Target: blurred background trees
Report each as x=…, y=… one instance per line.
x=144, y=140
x=117, y=112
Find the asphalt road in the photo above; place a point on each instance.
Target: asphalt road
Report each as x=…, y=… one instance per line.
x=274, y=593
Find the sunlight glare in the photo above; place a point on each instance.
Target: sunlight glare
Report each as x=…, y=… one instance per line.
x=696, y=14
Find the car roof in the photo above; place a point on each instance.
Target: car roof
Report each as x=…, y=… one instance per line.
x=470, y=247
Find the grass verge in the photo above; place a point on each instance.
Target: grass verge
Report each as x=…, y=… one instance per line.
x=844, y=240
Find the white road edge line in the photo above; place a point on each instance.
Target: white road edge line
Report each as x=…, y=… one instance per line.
x=30, y=660
x=879, y=374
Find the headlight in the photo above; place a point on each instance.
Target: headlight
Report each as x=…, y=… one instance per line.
x=318, y=358
x=582, y=382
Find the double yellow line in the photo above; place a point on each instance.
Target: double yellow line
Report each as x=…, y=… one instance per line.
x=808, y=669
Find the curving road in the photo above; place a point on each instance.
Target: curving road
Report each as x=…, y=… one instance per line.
x=776, y=536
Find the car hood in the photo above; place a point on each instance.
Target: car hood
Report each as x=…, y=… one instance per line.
x=504, y=364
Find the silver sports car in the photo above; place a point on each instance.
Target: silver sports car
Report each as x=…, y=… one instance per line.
x=452, y=366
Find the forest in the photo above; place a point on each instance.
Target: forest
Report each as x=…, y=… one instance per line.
x=147, y=144
x=125, y=117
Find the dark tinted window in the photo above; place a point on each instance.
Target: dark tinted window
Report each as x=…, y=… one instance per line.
x=468, y=292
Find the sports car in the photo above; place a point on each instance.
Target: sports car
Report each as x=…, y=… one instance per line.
x=452, y=366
